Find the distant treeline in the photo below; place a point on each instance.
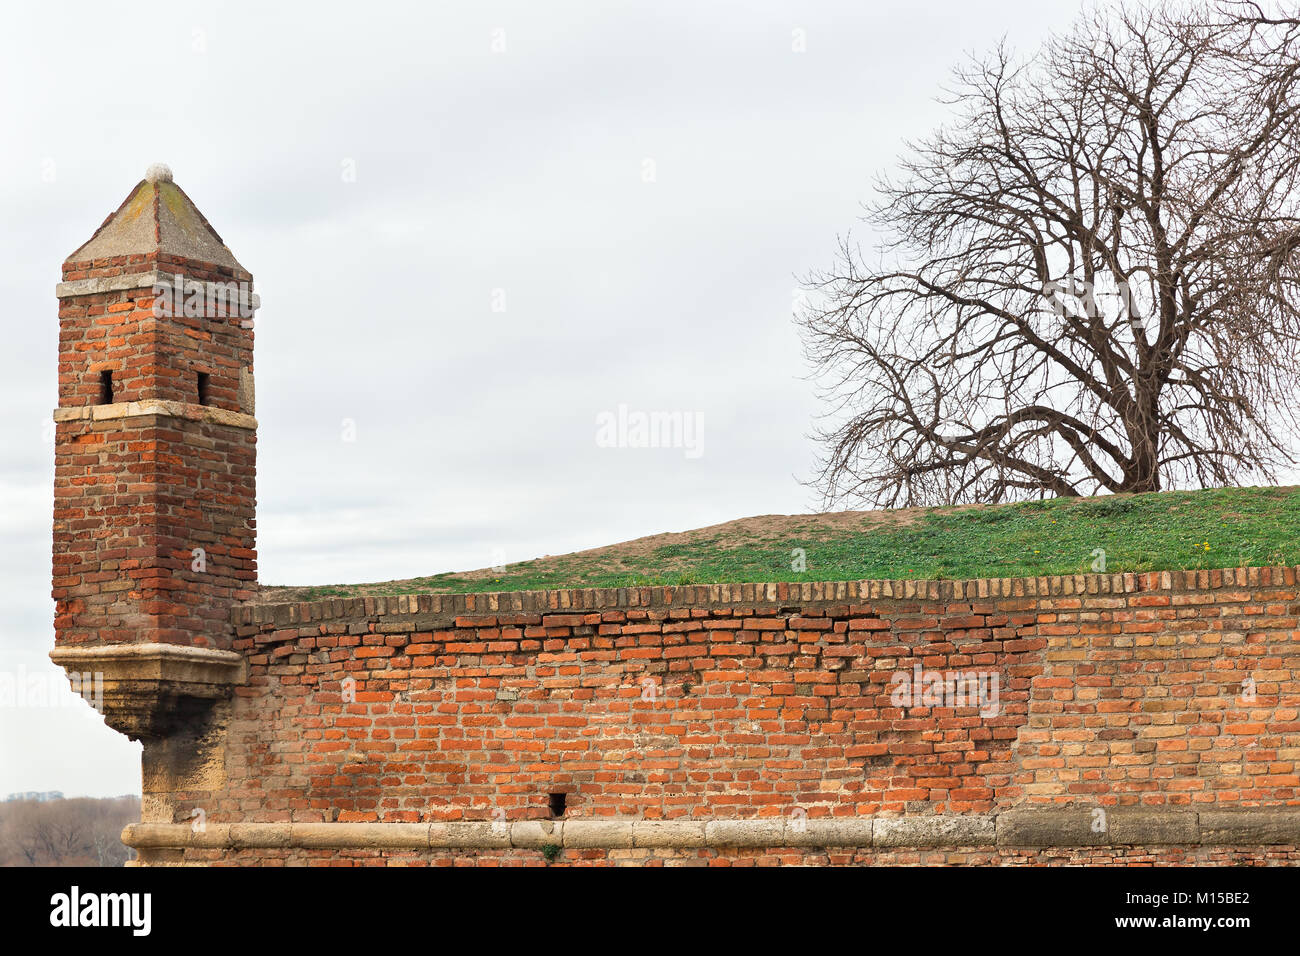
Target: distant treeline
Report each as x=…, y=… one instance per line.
x=79, y=832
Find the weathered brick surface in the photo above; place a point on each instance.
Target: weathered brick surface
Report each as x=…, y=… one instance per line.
x=133, y=499
x=756, y=701
x=150, y=356
x=135, y=496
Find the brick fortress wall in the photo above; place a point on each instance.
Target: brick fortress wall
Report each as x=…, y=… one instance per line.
x=1129, y=709
x=1136, y=718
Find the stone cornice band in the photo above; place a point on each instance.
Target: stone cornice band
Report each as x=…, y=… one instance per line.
x=1012, y=828
x=154, y=406
x=98, y=285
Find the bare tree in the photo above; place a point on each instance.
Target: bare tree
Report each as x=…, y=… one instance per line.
x=1086, y=282
x=21, y=843
x=75, y=832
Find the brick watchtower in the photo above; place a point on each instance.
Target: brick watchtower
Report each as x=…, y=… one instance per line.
x=154, y=501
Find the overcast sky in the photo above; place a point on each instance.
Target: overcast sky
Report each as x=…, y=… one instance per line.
x=475, y=227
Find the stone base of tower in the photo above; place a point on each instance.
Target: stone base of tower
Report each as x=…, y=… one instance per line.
x=175, y=699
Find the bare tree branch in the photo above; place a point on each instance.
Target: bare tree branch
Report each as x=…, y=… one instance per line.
x=1085, y=282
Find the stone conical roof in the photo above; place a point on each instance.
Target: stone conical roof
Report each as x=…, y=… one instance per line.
x=158, y=217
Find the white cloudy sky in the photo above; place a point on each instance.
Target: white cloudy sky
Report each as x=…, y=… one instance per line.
x=476, y=171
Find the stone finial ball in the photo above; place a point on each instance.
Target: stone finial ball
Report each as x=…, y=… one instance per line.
x=158, y=173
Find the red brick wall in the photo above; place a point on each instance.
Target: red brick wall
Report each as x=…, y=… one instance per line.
x=136, y=496
x=133, y=499
x=150, y=356
x=768, y=700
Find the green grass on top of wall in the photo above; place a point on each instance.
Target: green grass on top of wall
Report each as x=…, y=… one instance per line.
x=1214, y=528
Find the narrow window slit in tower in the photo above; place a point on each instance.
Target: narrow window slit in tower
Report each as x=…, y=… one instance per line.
x=203, y=388
x=106, y=387
x=556, y=801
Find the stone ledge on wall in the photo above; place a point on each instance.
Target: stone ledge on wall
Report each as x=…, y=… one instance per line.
x=1023, y=827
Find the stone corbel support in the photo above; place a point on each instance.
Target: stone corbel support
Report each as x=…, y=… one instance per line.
x=151, y=691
